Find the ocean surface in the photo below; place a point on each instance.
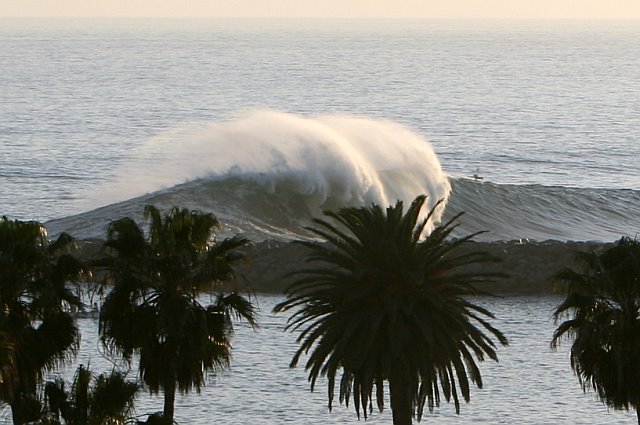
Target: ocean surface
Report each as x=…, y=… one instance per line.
x=531, y=384
x=268, y=123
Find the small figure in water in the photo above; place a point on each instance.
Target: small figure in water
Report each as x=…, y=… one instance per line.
x=476, y=176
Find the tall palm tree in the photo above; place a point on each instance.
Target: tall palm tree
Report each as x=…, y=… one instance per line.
x=154, y=308
x=381, y=302
x=35, y=296
x=109, y=401
x=603, y=310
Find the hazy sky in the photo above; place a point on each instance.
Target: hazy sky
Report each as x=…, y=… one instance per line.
x=533, y=9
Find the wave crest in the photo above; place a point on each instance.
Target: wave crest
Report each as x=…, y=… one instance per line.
x=332, y=161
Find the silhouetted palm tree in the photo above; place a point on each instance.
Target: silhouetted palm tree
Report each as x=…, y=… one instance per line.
x=603, y=309
x=35, y=297
x=8, y=367
x=382, y=303
x=106, y=399
x=154, y=308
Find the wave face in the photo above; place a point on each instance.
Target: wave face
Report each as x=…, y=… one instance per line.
x=267, y=174
x=505, y=212
x=508, y=212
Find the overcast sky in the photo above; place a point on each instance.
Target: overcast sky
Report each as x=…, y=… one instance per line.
x=527, y=9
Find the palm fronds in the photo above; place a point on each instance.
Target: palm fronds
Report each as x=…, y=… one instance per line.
x=381, y=301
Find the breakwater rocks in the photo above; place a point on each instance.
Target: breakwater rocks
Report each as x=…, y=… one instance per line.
x=529, y=266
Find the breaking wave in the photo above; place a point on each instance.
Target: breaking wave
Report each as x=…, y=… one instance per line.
x=266, y=174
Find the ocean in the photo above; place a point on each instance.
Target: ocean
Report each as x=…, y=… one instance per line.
x=303, y=116
x=266, y=123
x=531, y=384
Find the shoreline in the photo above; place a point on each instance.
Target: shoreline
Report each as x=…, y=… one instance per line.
x=529, y=266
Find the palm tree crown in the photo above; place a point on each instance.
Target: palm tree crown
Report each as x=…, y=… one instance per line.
x=603, y=309
x=382, y=303
x=154, y=308
x=109, y=401
x=37, y=330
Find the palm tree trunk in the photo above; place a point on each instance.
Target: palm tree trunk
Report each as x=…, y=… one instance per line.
x=169, y=400
x=24, y=408
x=15, y=413
x=400, y=393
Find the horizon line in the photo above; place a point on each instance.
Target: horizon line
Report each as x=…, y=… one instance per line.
x=328, y=18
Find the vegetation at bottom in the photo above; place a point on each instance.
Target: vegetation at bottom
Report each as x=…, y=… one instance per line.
x=380, y=305
x=37, y=332
x=105, y=399
x=153, y=309
x=153, y=280
x=602, y=319
x=380, y=301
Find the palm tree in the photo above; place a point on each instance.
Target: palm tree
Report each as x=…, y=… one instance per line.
x=8, y=369
x=108, y=401
x=603, y=309
x=35, y=297
x=382, y=303
x=154, y=307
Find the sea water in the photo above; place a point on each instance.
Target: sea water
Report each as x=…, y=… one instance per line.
x=531, y=383
x=119, y=113
x=545, y=112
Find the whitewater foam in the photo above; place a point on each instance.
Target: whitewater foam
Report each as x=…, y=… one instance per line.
x=332, y=161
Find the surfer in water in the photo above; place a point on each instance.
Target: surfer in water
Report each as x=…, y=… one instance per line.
x=476, y=176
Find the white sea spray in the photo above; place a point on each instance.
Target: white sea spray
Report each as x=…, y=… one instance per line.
x=333, y=161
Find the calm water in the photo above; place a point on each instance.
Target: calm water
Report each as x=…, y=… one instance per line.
x=531, y=384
